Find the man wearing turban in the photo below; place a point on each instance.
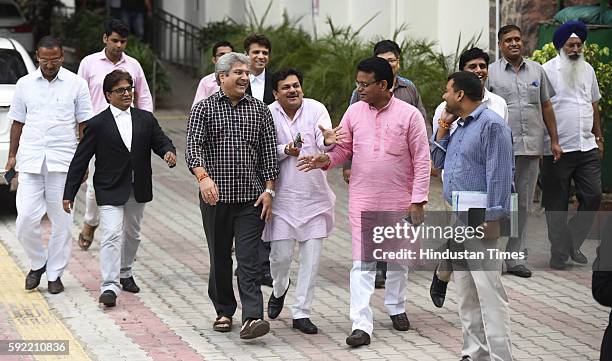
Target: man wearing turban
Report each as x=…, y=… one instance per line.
x=579, y=128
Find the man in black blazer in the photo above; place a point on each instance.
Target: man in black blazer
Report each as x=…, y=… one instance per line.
x=258, y=47
x=121, y=138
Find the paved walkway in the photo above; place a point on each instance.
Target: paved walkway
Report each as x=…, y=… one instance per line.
x=553, y=314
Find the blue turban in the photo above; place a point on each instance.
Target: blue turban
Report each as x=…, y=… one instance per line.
x=566, y=30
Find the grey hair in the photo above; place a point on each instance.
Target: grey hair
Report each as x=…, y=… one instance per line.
x=225, y=63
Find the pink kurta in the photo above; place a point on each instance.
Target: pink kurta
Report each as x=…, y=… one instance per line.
x=303, y=208
x=207, y=87
x=391, y=160
x=95, y=67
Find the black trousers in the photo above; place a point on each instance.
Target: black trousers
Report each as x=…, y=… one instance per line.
x=224, y=223
x=264, y=257
x=584, y=168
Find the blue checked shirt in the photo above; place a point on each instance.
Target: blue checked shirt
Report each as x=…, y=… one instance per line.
x=478, y=157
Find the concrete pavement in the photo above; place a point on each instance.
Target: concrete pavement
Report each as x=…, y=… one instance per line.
x=553, y=314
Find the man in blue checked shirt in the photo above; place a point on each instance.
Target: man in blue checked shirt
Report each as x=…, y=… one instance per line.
x=478, y=157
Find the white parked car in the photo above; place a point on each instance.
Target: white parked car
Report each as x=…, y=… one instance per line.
x=14, y=25
x=14, y=63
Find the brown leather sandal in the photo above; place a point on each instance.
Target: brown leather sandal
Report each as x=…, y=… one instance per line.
x=86, y=241
x=223, y=325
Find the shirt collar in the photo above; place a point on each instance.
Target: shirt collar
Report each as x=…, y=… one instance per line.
x=505, y=63
x=473, y=115
x=276, y=105
x=102, y=56
x=117, y=112
x=402, y=82
x=245, y=97
x=61, y=74
x=260, y=78
x=391, y=101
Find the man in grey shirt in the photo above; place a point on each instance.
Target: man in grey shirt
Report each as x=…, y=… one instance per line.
x=525, y=87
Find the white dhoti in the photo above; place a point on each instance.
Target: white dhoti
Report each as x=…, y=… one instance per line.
x=281, y=255
x=92, y=213
x=37, y=195
x=362, y=288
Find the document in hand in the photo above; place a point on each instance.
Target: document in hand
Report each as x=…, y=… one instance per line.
x=463, y=201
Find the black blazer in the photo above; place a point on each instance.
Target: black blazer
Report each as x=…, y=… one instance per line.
x=114, y=163
x=268, y=95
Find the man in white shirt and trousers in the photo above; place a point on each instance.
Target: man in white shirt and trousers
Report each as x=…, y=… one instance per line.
x=580, y=136
x=46, y=108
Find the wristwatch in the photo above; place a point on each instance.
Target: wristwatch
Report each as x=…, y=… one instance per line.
x=272, y=193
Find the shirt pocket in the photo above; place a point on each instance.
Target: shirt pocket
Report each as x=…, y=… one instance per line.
x=533, y=93
x=64, y=109
x=395, y=140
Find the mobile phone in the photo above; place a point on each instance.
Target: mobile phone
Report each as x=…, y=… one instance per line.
x=9, y=175
x=297, y=141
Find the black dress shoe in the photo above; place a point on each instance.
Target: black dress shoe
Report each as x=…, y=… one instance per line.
x=400, y=322
x=266, y=280
x=520, y=271
x=275, y=305
x=579, y=257
x=108, y=298
x=381, y=277
x=33, y=278
x=56, y=286
x=437, y=290
x=466, y=358
x=358, y=338
x=304, y=325
x=128, y=284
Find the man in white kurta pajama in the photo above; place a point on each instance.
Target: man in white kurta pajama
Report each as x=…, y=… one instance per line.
x=303, y=209
x=45, y=110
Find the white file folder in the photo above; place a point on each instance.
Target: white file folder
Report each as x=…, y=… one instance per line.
x=462, y=201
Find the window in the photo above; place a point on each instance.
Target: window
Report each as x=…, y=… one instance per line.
x=12, y=66
x=9, y=11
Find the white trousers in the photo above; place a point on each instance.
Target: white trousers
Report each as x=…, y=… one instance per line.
x=120, y=227
x=362, y=288
x=38, y=194
x=483, y=311
x=281, y=254
x=92, y=213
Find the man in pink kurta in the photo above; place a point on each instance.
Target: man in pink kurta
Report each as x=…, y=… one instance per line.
x=93, y=69
x=209, y=85
x=391, y=167
x=303, y=209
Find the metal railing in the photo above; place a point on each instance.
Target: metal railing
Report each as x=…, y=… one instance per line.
x=176, y=41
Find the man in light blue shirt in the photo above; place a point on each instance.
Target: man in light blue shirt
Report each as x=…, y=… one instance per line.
x=478, y=157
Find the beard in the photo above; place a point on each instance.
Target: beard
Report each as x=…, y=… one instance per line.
x=573, y=69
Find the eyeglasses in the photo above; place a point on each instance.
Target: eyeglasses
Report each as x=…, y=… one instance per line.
x=360, y=84
x=54, y=62
x=121, y=91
